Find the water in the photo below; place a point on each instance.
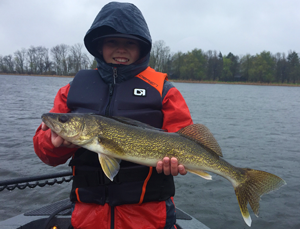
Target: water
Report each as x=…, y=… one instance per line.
x=256, y=127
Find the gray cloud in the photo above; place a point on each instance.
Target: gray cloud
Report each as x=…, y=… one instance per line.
x=240, y=27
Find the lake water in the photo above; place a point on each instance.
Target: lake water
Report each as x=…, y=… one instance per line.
x=256, y=126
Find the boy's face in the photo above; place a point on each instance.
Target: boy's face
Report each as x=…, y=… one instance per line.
x=120, y=50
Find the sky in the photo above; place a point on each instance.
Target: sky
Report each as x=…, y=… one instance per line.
x=237, y=26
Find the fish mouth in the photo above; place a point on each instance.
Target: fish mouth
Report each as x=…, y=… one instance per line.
x=48, y=120
x=45, y=119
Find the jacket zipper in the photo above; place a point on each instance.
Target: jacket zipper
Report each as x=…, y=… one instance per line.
x=111, y=89
x=115, y=74
x=112, y=217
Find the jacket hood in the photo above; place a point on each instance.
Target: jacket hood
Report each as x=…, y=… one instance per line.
x=124, y=18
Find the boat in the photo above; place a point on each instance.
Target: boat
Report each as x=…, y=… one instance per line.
x=58, y=215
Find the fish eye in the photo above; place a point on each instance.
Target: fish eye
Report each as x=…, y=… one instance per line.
x=63, y=118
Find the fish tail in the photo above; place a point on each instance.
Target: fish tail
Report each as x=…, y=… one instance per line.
x=255, y=184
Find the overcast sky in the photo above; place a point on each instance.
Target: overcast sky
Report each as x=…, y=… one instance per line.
x=237, y=26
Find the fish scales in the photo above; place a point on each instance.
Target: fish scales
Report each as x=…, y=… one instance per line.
x=157, y=145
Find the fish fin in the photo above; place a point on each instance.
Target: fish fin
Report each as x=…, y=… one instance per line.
x=136, y=123
x=202, y=135
x=201, y=173
x=256, y=184
x=110, y=165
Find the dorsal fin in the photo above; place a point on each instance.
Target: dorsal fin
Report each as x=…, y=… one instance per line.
x=201, y=134
x=133, y=122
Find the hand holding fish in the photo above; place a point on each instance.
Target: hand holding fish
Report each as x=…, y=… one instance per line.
x=170, y=166
x=57, y=140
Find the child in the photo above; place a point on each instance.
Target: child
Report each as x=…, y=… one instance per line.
x=123, y=85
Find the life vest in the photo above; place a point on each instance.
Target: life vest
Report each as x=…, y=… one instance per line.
x=138, y=98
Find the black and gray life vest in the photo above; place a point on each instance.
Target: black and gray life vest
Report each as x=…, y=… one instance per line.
x=138, y=98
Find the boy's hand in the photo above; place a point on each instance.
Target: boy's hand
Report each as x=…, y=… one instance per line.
x=58, y=141
x=170, y=167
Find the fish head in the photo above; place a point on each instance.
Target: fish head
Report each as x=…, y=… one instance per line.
x=76, y=128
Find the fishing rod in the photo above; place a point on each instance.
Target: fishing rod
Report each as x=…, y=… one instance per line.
x=33, y=181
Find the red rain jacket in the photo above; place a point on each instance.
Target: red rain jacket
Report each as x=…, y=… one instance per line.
x=146, y=215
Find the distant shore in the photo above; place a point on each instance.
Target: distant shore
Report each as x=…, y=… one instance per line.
x=12, y=74
x=236, y=82
x=187, y=81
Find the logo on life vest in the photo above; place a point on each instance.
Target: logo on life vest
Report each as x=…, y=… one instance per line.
x=139, y=92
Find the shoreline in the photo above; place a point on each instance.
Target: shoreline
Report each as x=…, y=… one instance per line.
x=12, y=74
x=236, y=83
x=183, y=81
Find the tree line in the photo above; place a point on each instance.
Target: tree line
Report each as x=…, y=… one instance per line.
x=197, y=64
x=264, y=67
x=65, y=60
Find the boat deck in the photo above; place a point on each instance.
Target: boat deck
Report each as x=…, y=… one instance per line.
x=59, y=214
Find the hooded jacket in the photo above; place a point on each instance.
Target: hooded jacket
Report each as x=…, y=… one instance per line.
x=117, y=18
x=115, y=84
x=123, y=18
x=176, y=114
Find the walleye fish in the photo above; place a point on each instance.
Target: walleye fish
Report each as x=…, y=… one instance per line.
x=119, y=138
